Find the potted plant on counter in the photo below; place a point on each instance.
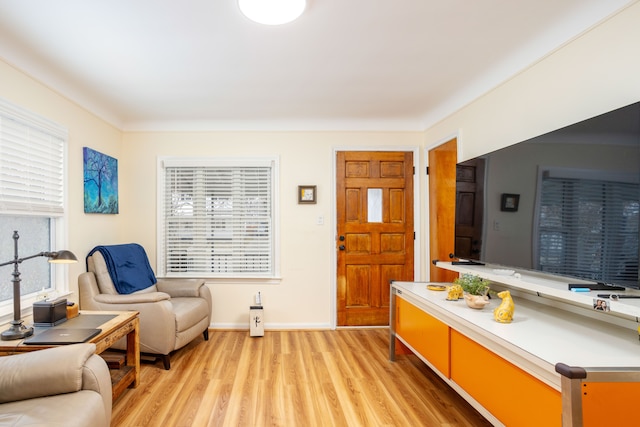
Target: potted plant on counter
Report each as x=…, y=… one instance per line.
x=476, y=289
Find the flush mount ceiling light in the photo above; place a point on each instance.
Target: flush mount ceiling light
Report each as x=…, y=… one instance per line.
x=272, y=12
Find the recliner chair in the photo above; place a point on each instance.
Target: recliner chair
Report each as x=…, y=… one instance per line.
x=60, y=386
x=172, y=311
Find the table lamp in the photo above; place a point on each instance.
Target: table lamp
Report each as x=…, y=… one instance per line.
x=17, y=329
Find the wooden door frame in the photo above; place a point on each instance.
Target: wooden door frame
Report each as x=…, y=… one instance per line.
x=334, y=218
x=436, y=144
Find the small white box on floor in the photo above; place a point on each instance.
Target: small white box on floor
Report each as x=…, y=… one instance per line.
x=256, y=323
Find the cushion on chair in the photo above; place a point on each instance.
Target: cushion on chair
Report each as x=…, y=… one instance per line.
x=83, y=408
x=127, y=266
x=60, y=386
x=96, y=265
x=29, y=375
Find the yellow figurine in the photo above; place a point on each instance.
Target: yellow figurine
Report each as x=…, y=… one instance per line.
x=454, y=292
x=504, y=312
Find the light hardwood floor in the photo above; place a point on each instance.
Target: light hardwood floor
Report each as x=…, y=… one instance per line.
x=292, y=378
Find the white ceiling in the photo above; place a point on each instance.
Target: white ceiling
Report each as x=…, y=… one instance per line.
x=345, y=64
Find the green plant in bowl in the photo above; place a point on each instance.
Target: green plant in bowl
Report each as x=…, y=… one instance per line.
x=473, y=284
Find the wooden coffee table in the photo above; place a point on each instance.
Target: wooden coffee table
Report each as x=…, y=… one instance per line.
x=114, y=325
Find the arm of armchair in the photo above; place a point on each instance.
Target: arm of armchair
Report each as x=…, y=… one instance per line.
x=186, y=288
x=180, y=287
x=149, y=297
x=48, y=372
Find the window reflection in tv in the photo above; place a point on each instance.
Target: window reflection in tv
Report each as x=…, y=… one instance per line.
x=579, y=202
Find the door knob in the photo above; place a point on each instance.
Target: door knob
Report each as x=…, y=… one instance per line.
x=341, y=238
x=341, y=247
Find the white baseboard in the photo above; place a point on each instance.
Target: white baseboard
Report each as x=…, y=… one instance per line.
x=273, y=326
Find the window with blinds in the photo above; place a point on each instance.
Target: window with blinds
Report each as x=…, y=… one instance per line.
x=31, y=163
x=218, y=218
x=588, y=228
x=32, y=174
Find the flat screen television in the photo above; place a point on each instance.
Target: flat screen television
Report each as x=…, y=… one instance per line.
x=565, y=203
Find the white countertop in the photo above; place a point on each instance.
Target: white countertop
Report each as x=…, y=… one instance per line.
x=539, y=336
x=550, y=285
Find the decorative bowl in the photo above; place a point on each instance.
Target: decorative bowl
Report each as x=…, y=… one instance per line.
x=476, y=301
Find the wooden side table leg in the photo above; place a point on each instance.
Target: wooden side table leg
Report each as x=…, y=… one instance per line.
x=133, y=351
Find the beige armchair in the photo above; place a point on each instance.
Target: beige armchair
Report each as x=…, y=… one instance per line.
x=172, y=312
x=60, y=386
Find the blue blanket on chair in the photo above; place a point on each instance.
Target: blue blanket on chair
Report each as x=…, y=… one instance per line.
x=128, y=267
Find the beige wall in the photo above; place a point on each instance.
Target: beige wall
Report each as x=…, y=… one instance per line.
x=594, y=74
x=304, y=296
x=85, y=231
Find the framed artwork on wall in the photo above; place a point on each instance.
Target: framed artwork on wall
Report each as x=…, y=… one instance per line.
x=509, y=202
x=306, y=194
x=100, y=182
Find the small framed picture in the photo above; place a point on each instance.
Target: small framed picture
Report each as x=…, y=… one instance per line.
x=600, y=304
x=306, y=194
x=509, y=202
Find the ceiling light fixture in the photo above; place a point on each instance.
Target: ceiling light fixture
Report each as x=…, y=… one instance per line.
x=272, y=12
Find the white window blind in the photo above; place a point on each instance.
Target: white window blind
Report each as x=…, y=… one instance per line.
x=589, y=228
x=31, y=163
x=32, y=199
x=218, y=218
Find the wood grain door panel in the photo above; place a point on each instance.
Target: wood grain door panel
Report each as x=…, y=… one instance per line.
x=372, y=251
x=442, y=202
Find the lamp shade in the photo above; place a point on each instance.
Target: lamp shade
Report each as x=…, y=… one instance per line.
x=272, y=12
x=62, y=257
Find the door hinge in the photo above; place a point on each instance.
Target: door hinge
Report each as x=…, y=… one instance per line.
x=414, y=235
x=414, y=170
x=427, y=170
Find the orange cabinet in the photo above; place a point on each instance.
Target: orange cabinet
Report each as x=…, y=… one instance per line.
x=426, y=334
x=506, y=371
x=512, y=395
x=610, y=404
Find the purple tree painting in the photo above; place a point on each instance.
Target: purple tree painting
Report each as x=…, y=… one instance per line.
x=100, y=182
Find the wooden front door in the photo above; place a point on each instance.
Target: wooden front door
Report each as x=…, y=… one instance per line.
x=375, y=232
